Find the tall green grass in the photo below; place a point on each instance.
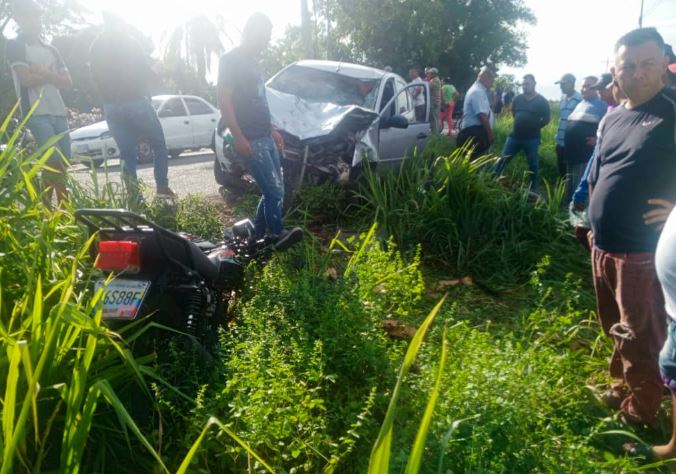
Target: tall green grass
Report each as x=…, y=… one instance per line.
x=464, y=219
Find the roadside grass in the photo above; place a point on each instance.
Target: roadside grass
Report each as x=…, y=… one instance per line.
x=307, y=371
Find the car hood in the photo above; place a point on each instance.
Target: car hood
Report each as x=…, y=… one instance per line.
x=313, y=121
x=90, y=131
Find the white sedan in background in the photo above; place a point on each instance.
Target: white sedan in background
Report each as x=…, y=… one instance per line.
x=188, y=123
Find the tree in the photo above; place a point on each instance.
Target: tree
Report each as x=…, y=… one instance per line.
x=196, y=42
x=456, y=36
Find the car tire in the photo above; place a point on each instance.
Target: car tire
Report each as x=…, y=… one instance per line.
x=219, y=173
x=145, y=153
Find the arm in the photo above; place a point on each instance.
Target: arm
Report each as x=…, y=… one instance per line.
x=581, y=194
x=242, y=145
x=485, y=121
x=546, y=115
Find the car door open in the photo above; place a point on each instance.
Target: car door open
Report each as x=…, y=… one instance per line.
x=403, y=127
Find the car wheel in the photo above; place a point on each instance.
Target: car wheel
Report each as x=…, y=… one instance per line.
x=145, y=153
x=219, y=173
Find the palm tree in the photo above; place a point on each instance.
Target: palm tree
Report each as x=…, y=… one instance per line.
x=195, y=42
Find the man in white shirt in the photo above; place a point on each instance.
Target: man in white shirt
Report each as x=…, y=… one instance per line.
x=418, y=94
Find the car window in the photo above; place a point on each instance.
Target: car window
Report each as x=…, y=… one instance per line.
x=197, y=107
x=173, y=108
x=403, y=100
x=314, y=85
x=406, y=105
x=388, y=93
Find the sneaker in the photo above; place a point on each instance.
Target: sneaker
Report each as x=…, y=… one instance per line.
x=288, y=238
x=166, y=193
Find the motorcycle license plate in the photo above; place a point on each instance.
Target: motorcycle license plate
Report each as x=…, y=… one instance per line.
x=123, y=298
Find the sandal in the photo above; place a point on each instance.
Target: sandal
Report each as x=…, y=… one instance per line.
x=639, y=451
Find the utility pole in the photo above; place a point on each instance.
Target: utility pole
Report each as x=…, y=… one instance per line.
x=306, y=32
x=640, y=18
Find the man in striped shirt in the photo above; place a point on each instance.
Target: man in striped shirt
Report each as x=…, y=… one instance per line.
x=569, y=101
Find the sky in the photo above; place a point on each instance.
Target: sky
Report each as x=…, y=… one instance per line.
x=570, y=36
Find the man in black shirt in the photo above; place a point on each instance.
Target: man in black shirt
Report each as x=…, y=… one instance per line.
x=122, y=73
x=244, y=109
x=531, y=113
x=632, y=187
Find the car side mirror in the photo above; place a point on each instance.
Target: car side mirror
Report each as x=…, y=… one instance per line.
x=396, y=121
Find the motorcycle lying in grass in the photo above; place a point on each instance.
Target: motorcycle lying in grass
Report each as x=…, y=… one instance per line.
x=173, y=279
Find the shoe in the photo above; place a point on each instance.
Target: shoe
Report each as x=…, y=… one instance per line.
x=612, y=399
x=166, y=193
x=287, y=239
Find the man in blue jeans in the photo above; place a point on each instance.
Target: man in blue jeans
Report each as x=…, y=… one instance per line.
x=122, y=73
x=244, y=109
x=531, y=113
x=39, y=74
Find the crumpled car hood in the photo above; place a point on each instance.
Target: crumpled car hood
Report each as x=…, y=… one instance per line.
x=312, y=122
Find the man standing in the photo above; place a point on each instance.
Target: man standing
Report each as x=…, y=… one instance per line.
x=418, y=94
x=580, y=136
x=531, y=113
x=244, y=108
x=476, y=115
x=569, y=101
x=123, y=75
x=435, y=99
x=632, y=177
x=449, y=93
x=39, y=73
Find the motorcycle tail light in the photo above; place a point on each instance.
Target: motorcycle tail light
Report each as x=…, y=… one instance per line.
x=119, y=255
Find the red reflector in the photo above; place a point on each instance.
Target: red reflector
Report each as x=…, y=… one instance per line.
x=118, y=255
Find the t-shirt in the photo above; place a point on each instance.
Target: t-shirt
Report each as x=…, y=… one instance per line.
x=635, y=162
x=476, y=102
x=530, y=115
x=419, y=98
x=566, y=107
x=120, y=68
x=241, y=72
x=448, y=91
x=583, y=124
x=665, y=263
x=25, y=50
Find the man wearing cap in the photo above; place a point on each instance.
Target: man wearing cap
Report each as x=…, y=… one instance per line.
x=39, y=74
x=632, y=189
x=569, y=101
x=531, y=112
x=476, y=114
x=580, y=135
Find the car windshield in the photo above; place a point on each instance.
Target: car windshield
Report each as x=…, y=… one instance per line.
x=314, y=85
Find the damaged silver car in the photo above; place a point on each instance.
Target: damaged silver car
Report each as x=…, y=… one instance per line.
x=336, y=118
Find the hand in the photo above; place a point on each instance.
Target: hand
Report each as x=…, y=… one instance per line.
x=243, y=147
x=279, y=140
x=591, y=141
x=660, y=214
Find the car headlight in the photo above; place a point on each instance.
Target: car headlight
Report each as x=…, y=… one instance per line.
x=106, y=135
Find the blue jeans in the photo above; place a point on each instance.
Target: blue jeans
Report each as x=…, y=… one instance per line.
x=530, y=147
x=266, y=169
x=44, y=128
x=129, y=123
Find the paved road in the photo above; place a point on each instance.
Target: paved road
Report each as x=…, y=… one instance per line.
x=188, y=174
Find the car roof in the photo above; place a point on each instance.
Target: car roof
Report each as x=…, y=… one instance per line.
x=347, y=69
